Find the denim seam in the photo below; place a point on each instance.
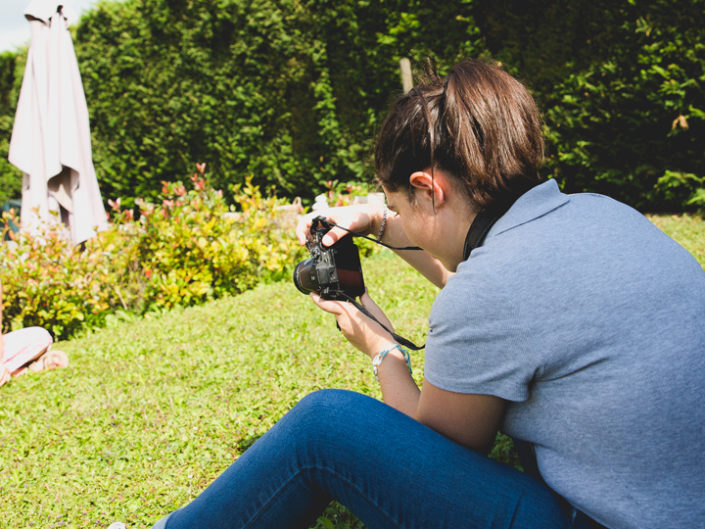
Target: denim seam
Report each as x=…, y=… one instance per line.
x=323, y=469
x=515, y=511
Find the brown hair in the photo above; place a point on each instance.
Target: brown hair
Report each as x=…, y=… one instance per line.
x=479, y=124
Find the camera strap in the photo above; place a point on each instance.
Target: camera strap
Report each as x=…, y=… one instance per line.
x=330, y=224
x=479, y=229
x=476, y=236
x=403, y=341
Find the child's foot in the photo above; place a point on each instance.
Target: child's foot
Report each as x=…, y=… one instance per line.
x=4, y=375
x=52, y=359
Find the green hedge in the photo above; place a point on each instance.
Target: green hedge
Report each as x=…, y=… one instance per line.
x=290, y=91
x=293, y=91
x=622, y=84
x=11, y=67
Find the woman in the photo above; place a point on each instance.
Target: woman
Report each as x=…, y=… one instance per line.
x=567, y=321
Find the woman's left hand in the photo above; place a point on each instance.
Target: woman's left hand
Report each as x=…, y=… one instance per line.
x=364, y=333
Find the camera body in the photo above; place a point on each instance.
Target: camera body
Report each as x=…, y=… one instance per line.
x=333, y=272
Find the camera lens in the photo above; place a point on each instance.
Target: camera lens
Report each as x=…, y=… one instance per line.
x=305, y=277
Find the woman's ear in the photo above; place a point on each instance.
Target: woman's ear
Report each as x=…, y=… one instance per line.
x=430, y=185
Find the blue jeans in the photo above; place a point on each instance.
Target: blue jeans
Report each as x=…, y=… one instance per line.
x=388, y=469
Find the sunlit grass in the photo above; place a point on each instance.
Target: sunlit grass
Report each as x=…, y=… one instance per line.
x=152, y=409
x=688, y=230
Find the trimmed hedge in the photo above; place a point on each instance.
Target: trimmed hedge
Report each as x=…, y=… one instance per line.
x=11, y=67
x=293, y=91
x=622, y=84
x=289, y=91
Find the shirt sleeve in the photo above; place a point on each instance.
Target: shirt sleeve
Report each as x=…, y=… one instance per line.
x=476, y=343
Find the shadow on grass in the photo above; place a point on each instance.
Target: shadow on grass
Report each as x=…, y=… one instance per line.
x=247, y=442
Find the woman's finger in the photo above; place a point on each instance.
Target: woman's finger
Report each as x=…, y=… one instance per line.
x=303, y=228
x=333, y=236
x=357, y=218
x=328, y=305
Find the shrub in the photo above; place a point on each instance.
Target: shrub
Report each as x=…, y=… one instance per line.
x=293, y=92
x=50, y=283
x=190, y=248
x=288, y=91
x=11, y=66
x=194, y=247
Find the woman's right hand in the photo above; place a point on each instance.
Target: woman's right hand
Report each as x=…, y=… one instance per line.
x=360, y=330
x=362, y=218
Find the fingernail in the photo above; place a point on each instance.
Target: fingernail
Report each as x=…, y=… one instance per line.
x=327, y=240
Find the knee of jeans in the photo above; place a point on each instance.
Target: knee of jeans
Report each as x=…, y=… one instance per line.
x=326, y=402
x=325, y=412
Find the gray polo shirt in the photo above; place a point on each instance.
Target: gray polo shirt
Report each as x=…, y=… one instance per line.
x=591, y=322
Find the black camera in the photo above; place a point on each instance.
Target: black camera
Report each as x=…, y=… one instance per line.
x=333, y=272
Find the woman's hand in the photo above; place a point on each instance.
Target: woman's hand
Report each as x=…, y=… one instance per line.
x=364, y=333
x=363, y=218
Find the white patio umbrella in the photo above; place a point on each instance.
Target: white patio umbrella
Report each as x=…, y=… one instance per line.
x=51, y=141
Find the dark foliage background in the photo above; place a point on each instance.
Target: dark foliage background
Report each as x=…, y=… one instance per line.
x=292, y=91
x=622, y=85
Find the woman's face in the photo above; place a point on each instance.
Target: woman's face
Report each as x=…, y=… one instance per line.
x=418, y=223
x=436, y=216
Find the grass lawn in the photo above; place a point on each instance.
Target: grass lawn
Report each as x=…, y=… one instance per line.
x=152, y=409
x=689, y=230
